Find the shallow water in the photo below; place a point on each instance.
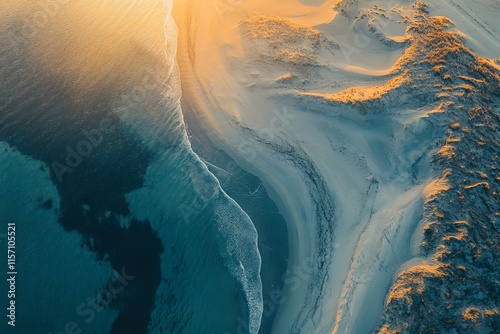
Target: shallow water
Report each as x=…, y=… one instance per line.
x=250, y=193
x=90, y=98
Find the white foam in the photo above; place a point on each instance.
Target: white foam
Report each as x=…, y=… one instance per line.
x=175, y=178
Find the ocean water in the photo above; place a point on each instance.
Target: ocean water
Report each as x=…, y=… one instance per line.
x=110, y=202
x=251, y=194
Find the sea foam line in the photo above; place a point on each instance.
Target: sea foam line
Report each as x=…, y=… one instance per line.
x=239, y=237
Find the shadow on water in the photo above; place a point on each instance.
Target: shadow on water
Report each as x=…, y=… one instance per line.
x=61, y=86
x=42, y=119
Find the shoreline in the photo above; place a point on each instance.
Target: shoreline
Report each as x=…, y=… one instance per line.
x=334, y=175
x=207, y=144
x=302, y=274
x=247, y=190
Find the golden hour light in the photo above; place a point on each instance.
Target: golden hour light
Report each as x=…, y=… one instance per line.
x=249, y=166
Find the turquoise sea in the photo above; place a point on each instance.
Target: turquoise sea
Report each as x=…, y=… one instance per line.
x=121, y=226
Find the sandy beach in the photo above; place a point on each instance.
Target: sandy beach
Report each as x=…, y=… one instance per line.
x=278, y=86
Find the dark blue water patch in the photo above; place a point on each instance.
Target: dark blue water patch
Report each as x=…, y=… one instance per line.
x=45, y=204
x=94, y=162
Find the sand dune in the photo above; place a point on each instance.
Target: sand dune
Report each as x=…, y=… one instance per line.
x=325, y=103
